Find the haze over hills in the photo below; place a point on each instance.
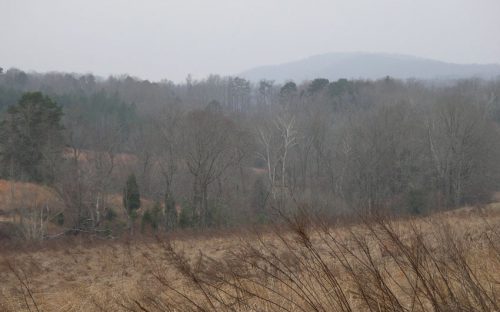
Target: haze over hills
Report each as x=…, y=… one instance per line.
x=369, y=66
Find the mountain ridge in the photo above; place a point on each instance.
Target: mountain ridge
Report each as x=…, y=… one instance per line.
x=363, y=65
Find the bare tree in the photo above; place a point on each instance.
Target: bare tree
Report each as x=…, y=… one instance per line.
x=168, y=158
x=209, y=149
x=276, y=141
x=461, y=144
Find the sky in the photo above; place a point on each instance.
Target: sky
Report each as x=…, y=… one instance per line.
x=169, y=39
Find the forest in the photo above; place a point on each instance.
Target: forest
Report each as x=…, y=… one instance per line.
x=124, y=155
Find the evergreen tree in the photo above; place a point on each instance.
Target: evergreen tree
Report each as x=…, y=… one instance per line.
x=170, y=212
x=317, y=85
x=31, y=138
x=131, y=200
x=288, y=89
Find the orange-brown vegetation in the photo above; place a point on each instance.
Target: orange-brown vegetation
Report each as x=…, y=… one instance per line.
x=443, y=262
x=13, y=194
x=22, y=202
x=21, y=206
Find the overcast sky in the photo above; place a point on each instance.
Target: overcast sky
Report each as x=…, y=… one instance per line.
x=157, y=39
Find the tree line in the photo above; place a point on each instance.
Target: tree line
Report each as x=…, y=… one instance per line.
x=223, y=151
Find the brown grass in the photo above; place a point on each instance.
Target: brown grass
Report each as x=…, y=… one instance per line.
x=14, y=194
x=444, y=262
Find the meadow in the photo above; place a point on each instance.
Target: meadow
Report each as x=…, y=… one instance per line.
x=446, y=261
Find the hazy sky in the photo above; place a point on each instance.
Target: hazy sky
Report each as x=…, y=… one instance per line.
x=158, y=39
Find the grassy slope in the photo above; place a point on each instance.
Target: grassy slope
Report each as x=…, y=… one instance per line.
x=82, y=275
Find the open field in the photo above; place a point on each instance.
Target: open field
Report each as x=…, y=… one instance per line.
x=445, y=262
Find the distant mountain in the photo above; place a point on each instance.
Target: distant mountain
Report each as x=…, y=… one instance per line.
x=369, y=66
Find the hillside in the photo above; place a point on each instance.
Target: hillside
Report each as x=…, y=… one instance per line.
x=444, y=260
x=334, y=66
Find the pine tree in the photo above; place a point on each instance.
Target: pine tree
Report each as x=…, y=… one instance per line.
x=31, y=138
x=131, y=198
x=170, y=212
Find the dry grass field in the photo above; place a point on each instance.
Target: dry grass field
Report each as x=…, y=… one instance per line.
x=16, y=194
x=448, y=261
